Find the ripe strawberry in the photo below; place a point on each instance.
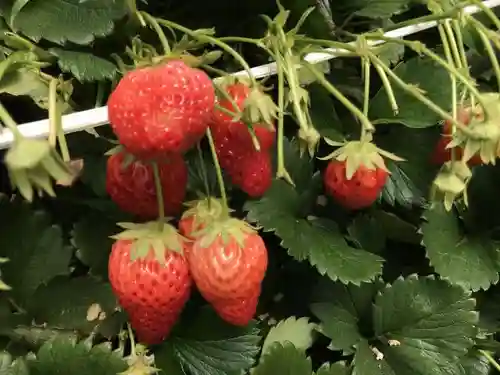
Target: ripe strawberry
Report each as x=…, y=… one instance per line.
x=162, y=109
x=361, y=191
x=252, y=173
x=441, y=154
x=153, y=294
x=228, y=264
x=133, y=189
x=232, y=138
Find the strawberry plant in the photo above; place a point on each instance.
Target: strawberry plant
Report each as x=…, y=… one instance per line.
x=186, y=213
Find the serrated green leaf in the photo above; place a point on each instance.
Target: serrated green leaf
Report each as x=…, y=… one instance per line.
x=60, y=21
x=77, y=304
x=299, y=332
x=365, y=362
x=34, y=259
x=428, y=76
x=85, y=66
x=337, y=368
x=382, y=8
x=91, y=237
x=205, y=345
x=284, y=359
x=475, y=363
x=391, y=53
x=472, y=262
x=16, y=8
x=430, y=323
x=64, y=356
x=342, y=310
x=367, y=232
x=318, y=241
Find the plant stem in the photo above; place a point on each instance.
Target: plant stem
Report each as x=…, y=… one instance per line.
x=388, y=87
x=9, y=122
x=53, y=116
x=365, y=68
x=281, y=171
x=491, y=15
x=159, y=194
x=331, y=44
x=340, y=97
x=460, y=42
x=421, y=48
x=132, y=340
x=211, y=69
x=218, y=171
x=211, y=40
x=480, y=28
x=417, y=94
x=452, y=42
x=204, y=174
x=490, y=359
x=161, y=35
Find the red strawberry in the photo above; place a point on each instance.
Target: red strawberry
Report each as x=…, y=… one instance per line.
x=153, y=294
x=132, y=188
x=252, y=173
x=232, y=138
x=228, y=264
x=361, y=191
x=442, y=154
x=161, y=109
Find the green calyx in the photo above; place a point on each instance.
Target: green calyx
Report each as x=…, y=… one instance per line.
x=451, y=182
x=359, y=153
x=204, y=211
x=482, y=135
x=225, y=229
x=33, y=164
x=149, y=236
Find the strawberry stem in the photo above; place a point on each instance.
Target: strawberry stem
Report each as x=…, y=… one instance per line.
x=281, y=171
x=482, y=31
x=55, y=124
x=417, y=94
x=204, y=175
x=218, y=171
x=9, y=122
x=209, y=39
x=490, y=359
x=448, y=42
x=132, y=340
x=341, y=97
x=157, y=28
x=159, y=194
x=365, y=68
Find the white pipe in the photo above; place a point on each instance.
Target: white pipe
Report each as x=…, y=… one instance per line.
x=92, y=118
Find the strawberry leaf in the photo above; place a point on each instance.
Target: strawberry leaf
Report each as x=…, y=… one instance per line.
x=34, y=259
x=91, y=237
x=415, y=326
x=381, y=8
x=299, y=332
x=472, y=262
x=205, y=345
x=284, y=359
x=66, y=356
x=84, y=66
x=319, y=241
x=429, y=77
x=59, y=20
x=76, y=304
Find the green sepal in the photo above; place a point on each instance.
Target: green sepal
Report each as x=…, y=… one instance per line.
x=27, y=153
x=225, y=229
x=204, y=211
x=156, y=236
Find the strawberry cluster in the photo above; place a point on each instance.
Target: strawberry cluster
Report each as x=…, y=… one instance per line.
x=158, y=113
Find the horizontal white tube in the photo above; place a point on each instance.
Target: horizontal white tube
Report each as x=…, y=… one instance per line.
x=92, y=118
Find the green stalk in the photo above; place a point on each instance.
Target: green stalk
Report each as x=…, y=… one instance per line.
x=161, y=35
x=9, y=122
x=482, y=31
x=211, y=40
x=218, y=172
x=490, y=359
x=281, y=167
x=159, y=195
x=388, y=88
x=417, y=94
x=423, y=49
x=491, y=15
x=55, y=121
x=340, y=97
x=204, y=174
